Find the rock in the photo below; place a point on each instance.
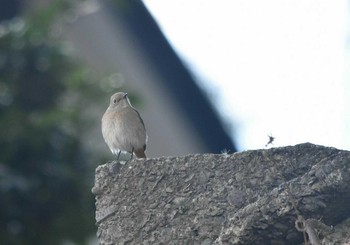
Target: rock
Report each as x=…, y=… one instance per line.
x=251, y=197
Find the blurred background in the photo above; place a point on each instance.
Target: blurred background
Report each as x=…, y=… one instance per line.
x=206, y=77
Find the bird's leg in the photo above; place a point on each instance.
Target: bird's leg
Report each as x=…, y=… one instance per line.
x=118, y=154
x=132, y=154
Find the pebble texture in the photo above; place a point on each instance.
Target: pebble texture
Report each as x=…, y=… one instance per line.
x=251, y=197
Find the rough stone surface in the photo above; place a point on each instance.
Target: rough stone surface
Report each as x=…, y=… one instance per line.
x=251, y=197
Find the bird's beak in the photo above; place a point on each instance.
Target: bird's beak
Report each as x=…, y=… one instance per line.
x=125, y=95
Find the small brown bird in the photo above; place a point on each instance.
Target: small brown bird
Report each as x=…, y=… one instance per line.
x=123, y=128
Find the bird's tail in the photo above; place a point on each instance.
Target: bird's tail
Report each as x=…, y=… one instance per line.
x=140, y=153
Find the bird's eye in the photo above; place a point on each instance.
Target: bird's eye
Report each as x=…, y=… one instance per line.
x=114, y=101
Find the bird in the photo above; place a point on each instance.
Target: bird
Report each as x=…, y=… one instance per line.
x=271, y=140
x=123, y=128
